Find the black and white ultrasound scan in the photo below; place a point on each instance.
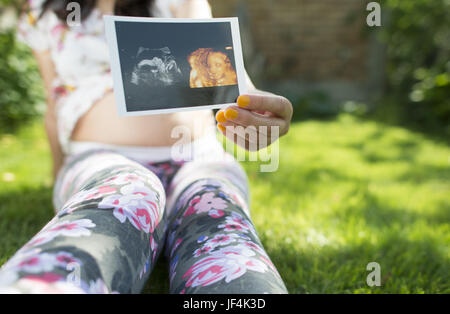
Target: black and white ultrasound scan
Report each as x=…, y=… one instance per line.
x=155, y=68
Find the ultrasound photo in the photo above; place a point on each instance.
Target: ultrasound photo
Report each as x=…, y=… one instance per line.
x=155, y=67
x=210, y=68
x=168, y=65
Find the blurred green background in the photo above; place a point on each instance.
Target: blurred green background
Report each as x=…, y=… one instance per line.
x=360, y=179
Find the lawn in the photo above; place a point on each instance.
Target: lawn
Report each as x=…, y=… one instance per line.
x=347, y=192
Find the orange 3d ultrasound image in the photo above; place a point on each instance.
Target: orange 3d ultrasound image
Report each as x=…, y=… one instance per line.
x=210, y=68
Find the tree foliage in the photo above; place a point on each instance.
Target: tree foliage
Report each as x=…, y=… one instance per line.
x=20, y=84
x=417, y=38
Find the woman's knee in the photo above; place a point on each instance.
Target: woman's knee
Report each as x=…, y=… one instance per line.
x=111, y=181
x=226, y=180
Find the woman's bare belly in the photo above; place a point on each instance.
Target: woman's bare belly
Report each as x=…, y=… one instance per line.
x=103, y=124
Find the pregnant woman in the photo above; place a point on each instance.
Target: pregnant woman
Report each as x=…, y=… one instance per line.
x=120, y=199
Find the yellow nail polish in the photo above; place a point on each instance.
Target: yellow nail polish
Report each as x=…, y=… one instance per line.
x=31, y=19
x=220, y=126
x=243, y=101
x=231, y=114
x=221, y=117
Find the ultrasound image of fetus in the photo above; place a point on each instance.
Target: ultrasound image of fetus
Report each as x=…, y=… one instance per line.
x=155, y=68
x=210, y=68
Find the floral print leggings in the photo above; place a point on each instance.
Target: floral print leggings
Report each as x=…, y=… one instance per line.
x=116, y=214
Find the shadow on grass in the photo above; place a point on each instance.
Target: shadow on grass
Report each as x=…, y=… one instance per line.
x=439, y=134
x=372, y=149
x=378, y=215
x=22, y=214
x=406, y=267
x=426, y=173
x=307, y=181
x=408, y=151
x=385, y=114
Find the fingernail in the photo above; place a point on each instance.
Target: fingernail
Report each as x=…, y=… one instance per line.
x=231, y=114
x=220, y=126
x=243, y=101
x=221, y=117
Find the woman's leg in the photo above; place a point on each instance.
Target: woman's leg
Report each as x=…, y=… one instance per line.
x=212, y=244
x=105, y=237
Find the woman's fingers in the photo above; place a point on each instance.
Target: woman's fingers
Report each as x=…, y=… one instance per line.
x=245, y=131
x=252, y=121
x=247, y=138
x=252, y=138
x=247, y=118
x=278, y=105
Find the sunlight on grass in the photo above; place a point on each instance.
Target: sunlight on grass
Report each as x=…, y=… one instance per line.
x=25, y=187
x=347, y=192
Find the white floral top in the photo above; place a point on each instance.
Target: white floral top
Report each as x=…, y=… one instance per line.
x=81, y=59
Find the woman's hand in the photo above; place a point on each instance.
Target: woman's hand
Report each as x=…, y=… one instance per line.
x=254, y=123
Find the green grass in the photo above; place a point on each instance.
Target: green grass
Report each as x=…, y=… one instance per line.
x=347, y=192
